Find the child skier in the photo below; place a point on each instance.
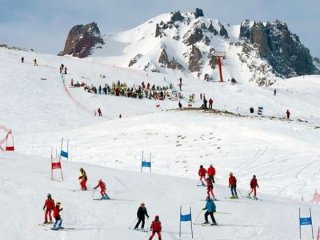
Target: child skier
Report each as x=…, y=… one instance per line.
x=156, y=228
x=202, y=173
x=142, y=212
x=83, y=179
x=103, y=189
x=56, y=214
x=211, y=208
x=253, y=184
x=233, y=186
x=48, y=207
x=210, y=188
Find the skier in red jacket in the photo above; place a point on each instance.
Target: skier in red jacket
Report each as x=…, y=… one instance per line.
x=156, y=228
x=103, y=189
x=56, y=214
x=254, y=184
x=233, y=185
x=48, y=207
x=202, y=173
x=211, y=173
x=210, y=188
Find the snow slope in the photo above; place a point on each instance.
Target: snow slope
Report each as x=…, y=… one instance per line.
x=283, y=154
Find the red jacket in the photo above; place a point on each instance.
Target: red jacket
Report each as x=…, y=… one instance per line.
x=254, y=183
x=156, y=226
x=56, y=211
x=202, y=172
x=232, y=181
x=211, y=171
x=49, y=204
x=102, y=185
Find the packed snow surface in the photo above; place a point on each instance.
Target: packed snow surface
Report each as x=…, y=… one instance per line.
x=39, y=106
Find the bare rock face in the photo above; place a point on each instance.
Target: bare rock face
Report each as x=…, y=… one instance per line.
x=81, y=40
x=195, y=59
x=198, y=13
x=279, y=47
x=223, y=32
x=163, y=59
x=195, y=36
x=212, y=29
x=134, y=60
x=174, y=64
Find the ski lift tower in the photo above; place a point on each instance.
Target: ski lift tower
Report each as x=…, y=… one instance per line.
x=220, y=55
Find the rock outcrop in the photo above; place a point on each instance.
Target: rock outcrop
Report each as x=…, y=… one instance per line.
x=195, y=60
x=81, y=40
x=279, y=47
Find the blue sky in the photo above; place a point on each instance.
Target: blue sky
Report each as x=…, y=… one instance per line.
x=44, y=24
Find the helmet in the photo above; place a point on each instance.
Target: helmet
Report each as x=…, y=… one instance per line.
x=254, y=176
x=49, y=195
x=58, y=203
x=81, y=169
x=211, y=165
x=142, y=204
x=230, y=173
x=157, y=217
x=201, y=166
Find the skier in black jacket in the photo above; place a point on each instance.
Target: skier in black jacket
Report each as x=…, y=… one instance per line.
x=142, y=212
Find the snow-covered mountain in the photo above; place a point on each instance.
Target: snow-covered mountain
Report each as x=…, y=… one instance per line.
x=40, y=106
x=189, y=42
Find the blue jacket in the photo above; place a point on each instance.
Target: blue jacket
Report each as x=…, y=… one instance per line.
x=210, y=206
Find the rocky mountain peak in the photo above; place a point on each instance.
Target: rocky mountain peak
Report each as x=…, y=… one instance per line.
x=279, y=47
x=81, y=40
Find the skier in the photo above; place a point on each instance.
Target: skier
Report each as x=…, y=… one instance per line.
x=142, y=212
x=204, y=102
x=48, y=207
x=22, y=59
x=288, y=113
x=61, y=68
x=99, y=112
x=65, y=70
x=156, y=228
x=83, y=179
x=211, y=173
x=211, y=208
x=210, y=103
x=253, y=184
x=202, y=173
x=274, y=92
x=56, y=214
x=180, y=105
x=103, y=189
x=35, y=62
x=251, y=110
x=233, y=186
x=210, y=188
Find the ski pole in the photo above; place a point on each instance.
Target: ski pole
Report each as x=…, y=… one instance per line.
x=93, y=193
x=198, y=215
x=240, y=192
x=222, y=212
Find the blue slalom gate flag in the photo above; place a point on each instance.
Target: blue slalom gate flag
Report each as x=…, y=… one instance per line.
x=185, y=218
x=305, y=221
x=145, y=164
x=64, y=154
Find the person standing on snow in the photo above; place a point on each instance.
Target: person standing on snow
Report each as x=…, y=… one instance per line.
x=210, y=103
x=211, y=208
x=141, y=214
x=288, y=113
x=83, y=179
x=103, y=189
x=254, y=184
x=56, y=214
x=48, y=207
x=233, y=186
x=202, y=173
x=210, y=188
x=211, y=173
x=156, y=228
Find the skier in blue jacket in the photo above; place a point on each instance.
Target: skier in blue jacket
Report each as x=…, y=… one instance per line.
x=211, y=208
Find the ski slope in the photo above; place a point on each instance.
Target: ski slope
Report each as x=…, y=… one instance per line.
x=284, y=154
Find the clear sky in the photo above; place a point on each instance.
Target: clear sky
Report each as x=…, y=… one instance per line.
x=44, y=24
